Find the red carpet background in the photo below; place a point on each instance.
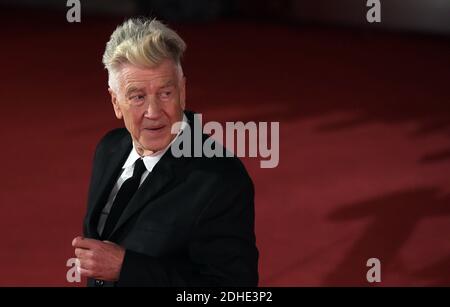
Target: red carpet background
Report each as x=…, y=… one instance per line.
x=364, y=143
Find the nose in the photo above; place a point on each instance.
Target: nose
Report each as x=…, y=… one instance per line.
x=153, y=110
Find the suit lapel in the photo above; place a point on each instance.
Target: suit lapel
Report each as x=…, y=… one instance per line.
x=161, y=176
x=110, y=171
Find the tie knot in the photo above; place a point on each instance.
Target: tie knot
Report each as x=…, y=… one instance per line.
x=139, y=168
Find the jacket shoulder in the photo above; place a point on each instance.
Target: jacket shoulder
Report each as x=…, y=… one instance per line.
x=110, y=140
x=226, y=169
x=112, y=137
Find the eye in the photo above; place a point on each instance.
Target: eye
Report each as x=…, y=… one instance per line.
x=165, y=95
x=136, y=99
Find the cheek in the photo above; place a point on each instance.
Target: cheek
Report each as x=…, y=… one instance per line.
x=182, y=100
x=177, y=105
x=132, y=121
x=174, y=112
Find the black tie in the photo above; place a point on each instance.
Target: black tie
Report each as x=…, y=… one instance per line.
x=123, y=197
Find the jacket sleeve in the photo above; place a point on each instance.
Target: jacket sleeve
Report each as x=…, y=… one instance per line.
x=221, y=252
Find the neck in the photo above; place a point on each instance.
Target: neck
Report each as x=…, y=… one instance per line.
x=142, y=151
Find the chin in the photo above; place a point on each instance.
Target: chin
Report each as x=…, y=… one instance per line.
x=156, y=145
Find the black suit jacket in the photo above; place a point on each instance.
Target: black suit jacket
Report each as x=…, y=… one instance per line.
x=191, y=223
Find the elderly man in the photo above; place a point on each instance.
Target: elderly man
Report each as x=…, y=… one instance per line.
x=154, y=219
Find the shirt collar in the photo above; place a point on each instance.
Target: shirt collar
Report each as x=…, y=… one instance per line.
x=151, y=160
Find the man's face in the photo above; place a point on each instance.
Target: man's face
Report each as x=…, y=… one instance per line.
x=150, y=101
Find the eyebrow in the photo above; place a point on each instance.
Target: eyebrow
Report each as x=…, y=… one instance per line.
x=167, y=84
x=132, y=89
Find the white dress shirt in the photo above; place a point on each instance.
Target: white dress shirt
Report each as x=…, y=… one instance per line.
x=127, y=171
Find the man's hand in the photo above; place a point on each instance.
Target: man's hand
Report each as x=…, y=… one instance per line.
x=99, y=259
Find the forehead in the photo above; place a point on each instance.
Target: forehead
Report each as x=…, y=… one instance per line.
x=159, y=75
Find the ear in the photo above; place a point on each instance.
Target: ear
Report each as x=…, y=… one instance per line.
x=183, y=92
x=115, y=103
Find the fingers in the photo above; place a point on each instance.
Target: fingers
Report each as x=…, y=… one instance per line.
x=98, y=259
x=86, y=272
x=82, y=253
x=80, y=242
x=76, y=240
x=87, y=264
x=87, y=268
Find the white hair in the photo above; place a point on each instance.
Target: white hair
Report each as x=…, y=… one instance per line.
x=141, y=42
